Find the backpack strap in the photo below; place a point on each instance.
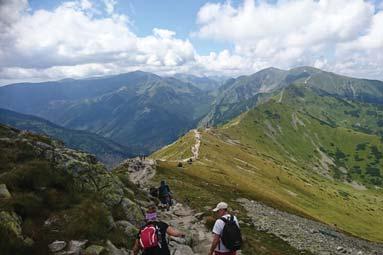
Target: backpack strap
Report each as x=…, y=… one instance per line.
x=224, y=219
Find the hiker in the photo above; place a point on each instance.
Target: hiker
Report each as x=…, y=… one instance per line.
x=164, y=195
x=226, y=233
x=152, y=237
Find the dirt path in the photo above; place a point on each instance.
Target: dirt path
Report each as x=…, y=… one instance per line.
x=195, y=148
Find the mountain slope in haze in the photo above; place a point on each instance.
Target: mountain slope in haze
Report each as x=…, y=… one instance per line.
x=140, y=110
x=104, y=149
x=202, y=82
x=245, y=92
x=304, y=152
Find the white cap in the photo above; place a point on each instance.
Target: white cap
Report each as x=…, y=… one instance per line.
x=221, y=205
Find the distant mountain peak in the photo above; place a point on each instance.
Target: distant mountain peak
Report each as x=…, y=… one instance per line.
x=308, y=69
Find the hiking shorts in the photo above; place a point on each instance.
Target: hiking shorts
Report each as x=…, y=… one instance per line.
x=225, y=253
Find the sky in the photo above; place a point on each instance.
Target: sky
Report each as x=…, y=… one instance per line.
x=55, y=39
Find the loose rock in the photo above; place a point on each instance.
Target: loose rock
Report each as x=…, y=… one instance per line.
x=57, y=246
x=4, y=193
x=94, y=250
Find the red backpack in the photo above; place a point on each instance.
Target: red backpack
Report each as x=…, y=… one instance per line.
x=149, y=236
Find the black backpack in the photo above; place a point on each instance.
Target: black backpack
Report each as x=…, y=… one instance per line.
x=231, y=234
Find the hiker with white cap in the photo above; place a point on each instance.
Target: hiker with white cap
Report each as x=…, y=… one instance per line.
x=226, y=233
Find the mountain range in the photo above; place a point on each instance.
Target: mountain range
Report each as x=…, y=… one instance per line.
x=140, y=110
x=108, y=151
x=245, y=92
x=144, y=112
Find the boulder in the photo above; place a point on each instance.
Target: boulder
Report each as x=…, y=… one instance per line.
x=132, y=212
x=29, y=241
x=113, y=250
x=129, y=229
x=11, y=222
x=94, y=250
x=75, y=247
x=199, y=216
x=4, y=193
x=57, y=246
x=180, y=249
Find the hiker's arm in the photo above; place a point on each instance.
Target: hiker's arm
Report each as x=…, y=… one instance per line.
x=214, y=243
x=136, y=248
x=174, y=232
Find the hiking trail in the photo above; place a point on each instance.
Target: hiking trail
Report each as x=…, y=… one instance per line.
x=198, y=238
x=195, y=147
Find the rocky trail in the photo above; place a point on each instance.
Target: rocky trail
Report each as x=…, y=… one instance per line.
x=182, y=217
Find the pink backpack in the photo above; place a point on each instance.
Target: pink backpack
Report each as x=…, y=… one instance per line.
x=149, y=237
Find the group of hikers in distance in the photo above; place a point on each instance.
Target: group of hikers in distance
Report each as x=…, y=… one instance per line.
x=152, y=237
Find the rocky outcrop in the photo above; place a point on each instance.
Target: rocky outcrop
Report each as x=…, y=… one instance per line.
x=140, y=171
x=73, y=178
x=129, y=229
x=305, y=234
x=133, y=212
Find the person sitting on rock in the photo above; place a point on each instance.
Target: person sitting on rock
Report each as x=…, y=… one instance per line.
x=226, y=233
x=164, y=194
x=152, y=236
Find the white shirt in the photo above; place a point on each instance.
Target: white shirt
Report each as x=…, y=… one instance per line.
x=218, y=228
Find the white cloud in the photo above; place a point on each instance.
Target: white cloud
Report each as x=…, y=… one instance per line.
x=109, y=6
x=71, y=41
x=290, y=33
x=82, y=38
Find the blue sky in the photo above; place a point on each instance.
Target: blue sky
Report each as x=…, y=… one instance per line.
x=54, y=39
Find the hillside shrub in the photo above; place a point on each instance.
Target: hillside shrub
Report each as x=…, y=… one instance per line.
x=361, y=146
x=353, y=113
x=373, y=171
x=377, y=154
x=356, y=170
x=88, y=220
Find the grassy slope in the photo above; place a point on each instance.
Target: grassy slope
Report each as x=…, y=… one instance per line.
x=279, y=166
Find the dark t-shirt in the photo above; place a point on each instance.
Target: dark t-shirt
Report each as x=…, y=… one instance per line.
x=163, y=190
x=164, y=250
